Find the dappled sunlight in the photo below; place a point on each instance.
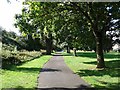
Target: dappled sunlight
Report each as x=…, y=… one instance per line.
x=24, y=75
x=85, y=66
x=88, y=33
x=109, y=63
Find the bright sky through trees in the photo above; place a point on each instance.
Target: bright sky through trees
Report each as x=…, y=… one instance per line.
x=7, y=13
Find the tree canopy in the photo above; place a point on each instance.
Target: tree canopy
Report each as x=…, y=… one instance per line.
x=74, y=24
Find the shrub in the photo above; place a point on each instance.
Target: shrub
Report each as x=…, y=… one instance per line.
x=15, y=58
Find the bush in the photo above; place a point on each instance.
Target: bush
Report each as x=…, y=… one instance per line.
x=15, y=58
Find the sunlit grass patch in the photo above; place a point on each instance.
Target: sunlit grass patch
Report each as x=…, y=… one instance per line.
x=25, y=75
x=85, y=66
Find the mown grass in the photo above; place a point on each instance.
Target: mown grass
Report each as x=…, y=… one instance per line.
x=23, y=76
x=85, y=66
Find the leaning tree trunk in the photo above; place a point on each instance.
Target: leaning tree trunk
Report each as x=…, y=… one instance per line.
x=99, y=49
x=49, y=45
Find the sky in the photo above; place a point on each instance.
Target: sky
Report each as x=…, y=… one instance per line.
x=7, y=13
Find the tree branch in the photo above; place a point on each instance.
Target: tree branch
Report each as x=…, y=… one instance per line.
x=82, y=11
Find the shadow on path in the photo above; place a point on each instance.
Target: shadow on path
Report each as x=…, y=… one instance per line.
x=50, y=70
x=59, y=76
x=81, y=87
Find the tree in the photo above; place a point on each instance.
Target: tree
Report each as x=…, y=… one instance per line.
x=71, y=21
x=36, y=18
x=99, y=17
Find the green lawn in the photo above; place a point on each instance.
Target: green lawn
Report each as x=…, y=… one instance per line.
x=85, y=66
x=25, y=75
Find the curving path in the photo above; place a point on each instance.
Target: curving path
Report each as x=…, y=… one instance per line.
x=56, y=75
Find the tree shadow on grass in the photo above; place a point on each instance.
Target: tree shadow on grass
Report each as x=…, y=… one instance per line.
x=34, y=70
x=97, y=73
x=57, y=55
x=109, y=64
x=27, y=70
x=112, y=70
x=24, y=69
x=10, y=66
x=109, y=86
x=93, y=55
x=67, y=54
x=19, y=88
x=86, y=54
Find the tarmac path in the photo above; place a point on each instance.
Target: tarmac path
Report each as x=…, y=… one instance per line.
x=57, y=75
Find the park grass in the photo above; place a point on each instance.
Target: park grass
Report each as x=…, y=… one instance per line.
x=24, y=76
x=85, y=66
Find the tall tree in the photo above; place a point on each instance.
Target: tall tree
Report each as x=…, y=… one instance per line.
x=100, y=17
x=36, y=18
x=71, y=20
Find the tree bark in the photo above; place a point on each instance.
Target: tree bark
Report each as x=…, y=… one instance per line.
x=49, y=45
x=68, y=49
x=99, y=50
x=30, y=44
x=74, y=52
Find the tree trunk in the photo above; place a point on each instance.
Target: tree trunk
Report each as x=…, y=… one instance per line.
x=49, y=44
x=30, y=44
x=74, y=52
x=99, y=50
x=68, y=49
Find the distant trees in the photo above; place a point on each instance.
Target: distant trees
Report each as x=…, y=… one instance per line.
x=8, y=40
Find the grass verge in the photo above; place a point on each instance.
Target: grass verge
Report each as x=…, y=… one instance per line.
x=25, y=75
x=85, y=66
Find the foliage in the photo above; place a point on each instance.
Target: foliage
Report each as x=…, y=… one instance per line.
x=24, y=76
x=8, y=40
x=68, y=22
x=97, y=18
x=73, y=23
x=84, y=65
x=33, y=23
x=13, y=49
x=10, y=58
